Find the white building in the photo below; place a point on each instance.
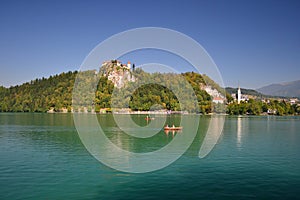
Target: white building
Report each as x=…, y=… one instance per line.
x=293, y=101
x=213, y=92
x=239, y=95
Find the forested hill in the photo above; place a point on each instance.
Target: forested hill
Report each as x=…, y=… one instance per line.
x=244, y=91
x=55, y=92
x=251, y=92
x=39, y=95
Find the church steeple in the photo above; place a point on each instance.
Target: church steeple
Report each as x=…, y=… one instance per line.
x=239, y=94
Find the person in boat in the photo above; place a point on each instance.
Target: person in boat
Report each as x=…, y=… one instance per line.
x=173, y=126
x=167, y=126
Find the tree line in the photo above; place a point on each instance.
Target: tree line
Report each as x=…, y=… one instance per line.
x=39, y=95
x=56, y=92
x=258, y=107
x=176, y=93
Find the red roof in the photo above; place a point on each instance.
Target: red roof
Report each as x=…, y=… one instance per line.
x=218, y=98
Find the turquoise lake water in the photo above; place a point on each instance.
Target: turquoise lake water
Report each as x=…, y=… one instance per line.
x=42, y=157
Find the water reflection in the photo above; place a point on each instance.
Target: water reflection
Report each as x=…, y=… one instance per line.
x=212, y=136
x=239, y=132
x=134, y=154
x=172, y=132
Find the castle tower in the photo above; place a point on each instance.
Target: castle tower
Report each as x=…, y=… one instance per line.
x=118, y=63
x=128, y=65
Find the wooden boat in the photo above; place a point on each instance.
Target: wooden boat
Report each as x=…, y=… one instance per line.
x=173, y=128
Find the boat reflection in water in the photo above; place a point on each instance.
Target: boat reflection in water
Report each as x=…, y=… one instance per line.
x=173, y=129
x=173, y=132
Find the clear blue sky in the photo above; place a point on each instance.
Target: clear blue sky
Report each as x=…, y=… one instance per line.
x=253, y=42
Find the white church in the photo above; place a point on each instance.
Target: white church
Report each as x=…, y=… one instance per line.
x=239, y=97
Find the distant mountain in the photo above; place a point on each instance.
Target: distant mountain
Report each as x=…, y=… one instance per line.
x=288, y=89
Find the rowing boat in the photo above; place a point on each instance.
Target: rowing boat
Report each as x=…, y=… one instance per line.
x=173, y=128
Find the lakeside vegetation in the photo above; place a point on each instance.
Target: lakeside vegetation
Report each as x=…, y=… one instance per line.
x=55, y=92
x=258, y=107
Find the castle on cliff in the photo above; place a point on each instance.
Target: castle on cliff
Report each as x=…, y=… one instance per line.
x=117, y=72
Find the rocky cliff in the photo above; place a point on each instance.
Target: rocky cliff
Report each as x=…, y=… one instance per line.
x=117, y=72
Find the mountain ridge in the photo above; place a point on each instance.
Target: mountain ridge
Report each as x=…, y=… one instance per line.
x=287, y=89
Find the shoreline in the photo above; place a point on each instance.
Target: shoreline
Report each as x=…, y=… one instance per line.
x=151, y=113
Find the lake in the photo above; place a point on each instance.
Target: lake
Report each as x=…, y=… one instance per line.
x=42, y=157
